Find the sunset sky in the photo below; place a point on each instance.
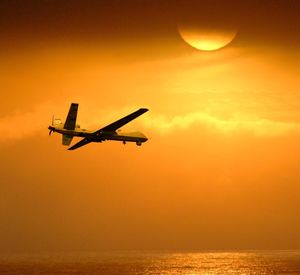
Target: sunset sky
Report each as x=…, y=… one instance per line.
x=221, y=168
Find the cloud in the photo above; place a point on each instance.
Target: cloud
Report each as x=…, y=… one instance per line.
x=238, y=123
x=21, y=125
x=24, y=124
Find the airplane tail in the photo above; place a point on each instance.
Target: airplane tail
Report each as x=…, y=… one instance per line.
x=70, y=123
x=66, y=140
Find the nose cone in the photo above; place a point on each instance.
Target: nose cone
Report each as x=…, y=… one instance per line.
x=143, y=137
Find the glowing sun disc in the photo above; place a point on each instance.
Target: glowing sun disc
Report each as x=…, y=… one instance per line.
x=207, y=40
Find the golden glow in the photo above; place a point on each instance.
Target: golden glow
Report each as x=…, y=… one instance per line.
x=223, y=106
x=222, y=134
x=207, y=40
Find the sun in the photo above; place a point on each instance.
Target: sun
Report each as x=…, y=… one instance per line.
x=207, y=39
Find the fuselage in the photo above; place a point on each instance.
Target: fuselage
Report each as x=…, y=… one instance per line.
x=137, y=137
x=70, y=129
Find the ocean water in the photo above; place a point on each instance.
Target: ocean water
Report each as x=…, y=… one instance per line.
x=154, y=262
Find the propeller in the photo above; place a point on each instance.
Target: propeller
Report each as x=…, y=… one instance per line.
x=51, y=128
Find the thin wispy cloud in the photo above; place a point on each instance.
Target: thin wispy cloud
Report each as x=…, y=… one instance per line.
x=22, y=125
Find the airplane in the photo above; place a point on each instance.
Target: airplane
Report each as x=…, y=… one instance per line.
x=70, y=129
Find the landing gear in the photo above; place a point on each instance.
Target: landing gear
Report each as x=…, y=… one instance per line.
x=124, y=142
x=138, y=143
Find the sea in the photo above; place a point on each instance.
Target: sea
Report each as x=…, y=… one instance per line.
x=153, y=262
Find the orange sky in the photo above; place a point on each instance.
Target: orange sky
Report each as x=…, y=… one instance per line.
x=221, y=167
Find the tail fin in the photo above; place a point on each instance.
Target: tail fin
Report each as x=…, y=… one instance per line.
x=70, y=123
x=66, y=139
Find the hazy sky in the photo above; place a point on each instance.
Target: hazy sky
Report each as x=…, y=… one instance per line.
x=221, y=167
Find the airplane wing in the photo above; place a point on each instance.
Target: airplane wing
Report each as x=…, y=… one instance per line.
x=82, y=142
x=111, y=127
x=71, y=118
x=119, y=123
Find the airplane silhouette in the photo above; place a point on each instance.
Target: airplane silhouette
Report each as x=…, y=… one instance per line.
x=70, y=129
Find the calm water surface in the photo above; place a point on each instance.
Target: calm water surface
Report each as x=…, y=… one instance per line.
x=245, y=262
